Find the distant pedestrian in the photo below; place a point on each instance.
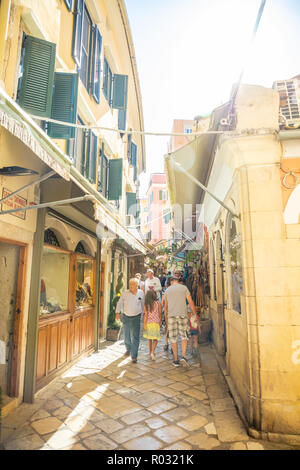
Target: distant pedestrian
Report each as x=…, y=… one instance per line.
x=152, y=283
x=152, y=321
x=177, y=317
x=141, y=284
x=131, y=303
x=164, y=320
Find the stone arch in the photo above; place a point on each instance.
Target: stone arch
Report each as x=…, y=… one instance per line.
x=87, y=245
x=59, y=235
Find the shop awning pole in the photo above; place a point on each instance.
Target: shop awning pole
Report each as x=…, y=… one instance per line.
x=87, y=197
x=203, y=187
x=33, y=183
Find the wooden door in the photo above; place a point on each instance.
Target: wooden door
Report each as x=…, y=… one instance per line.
x=101, y=308
x=12, y=285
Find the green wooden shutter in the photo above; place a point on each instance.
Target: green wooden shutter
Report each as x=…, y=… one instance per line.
x=122, y=119
x=92, y=158
x=129, y=138
x=131, y=204
x=133, y=160
x=97, y=45
x=105, y=78
x=119, y=95
x=123, y=112
x=77, y=30
x=115, y=179
x=64, y=105
x=38, y=75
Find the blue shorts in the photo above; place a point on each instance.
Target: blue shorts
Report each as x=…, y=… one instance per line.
x=194, y=332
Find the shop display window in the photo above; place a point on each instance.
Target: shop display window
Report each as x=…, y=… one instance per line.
x=84, y=282
x=235, y=250
x=54, y=281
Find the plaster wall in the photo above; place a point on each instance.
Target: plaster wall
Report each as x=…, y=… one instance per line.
x=263, y=343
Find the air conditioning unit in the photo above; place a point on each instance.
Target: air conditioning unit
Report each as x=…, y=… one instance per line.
x=289, y=91
x=130, y=222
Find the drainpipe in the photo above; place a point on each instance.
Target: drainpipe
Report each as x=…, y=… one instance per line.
x=4, y=21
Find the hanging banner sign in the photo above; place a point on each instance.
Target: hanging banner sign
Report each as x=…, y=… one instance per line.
x=14, y=202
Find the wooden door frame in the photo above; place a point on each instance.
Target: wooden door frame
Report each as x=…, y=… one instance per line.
x=101, y=303
x=14, y=379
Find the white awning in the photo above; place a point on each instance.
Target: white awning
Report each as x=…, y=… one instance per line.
x=195, y=157
x=115, y=228
x=16, y=121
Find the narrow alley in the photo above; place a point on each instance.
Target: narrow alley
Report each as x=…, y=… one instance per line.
x=106, y=402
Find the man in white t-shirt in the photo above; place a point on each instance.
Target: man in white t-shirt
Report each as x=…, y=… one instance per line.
x=152, y=283
x=177, y=316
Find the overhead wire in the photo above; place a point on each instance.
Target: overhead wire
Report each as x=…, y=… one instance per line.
x=130, y=131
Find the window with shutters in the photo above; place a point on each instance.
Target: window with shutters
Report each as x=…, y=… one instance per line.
x=115, y=90
x=96, y=69
x=76, y=147
x=85, y=48
x=36, y=76
x=132, y=204
x=107, y=81
x=133, y=160
x=166, y=215
x=102, y=172
x=43, y=92
x=129, y=138
x=64, y=105
x=163, y=195
x=91, y=158
x=115, y=174
x=83, y=151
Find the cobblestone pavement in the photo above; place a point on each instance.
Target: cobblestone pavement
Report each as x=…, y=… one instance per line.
x=106, y=402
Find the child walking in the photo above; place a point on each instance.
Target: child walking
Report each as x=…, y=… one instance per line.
x=152, y=321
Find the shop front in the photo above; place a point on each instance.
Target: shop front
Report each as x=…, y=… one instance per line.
x=67, y=301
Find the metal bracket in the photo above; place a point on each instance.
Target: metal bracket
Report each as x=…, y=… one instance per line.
x=180, y=167
x=33, y=183
x=87, y=197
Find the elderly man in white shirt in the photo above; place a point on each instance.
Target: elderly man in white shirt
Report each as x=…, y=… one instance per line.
x=131, y=304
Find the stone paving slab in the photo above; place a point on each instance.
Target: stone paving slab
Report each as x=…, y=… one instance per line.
x=105, y=402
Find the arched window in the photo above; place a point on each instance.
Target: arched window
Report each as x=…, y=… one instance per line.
x=50, y=238
x=80, y=249
x=235, y=271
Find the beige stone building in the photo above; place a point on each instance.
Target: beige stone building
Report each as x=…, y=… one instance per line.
x=68, y=61
x=253, y=168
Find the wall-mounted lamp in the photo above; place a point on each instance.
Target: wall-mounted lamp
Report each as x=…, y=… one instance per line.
x=16, y=171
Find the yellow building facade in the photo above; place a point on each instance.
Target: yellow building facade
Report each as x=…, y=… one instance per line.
x=254, y=256
x=73, y=62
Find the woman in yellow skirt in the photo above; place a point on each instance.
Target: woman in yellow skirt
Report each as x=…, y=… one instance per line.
x=152, y=321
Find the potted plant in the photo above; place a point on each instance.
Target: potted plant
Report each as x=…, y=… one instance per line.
x=114, y=326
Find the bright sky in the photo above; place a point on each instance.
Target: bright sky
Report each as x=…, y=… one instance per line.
x=190, y=52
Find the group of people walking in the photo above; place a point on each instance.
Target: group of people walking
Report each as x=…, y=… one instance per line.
x=170, y=304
